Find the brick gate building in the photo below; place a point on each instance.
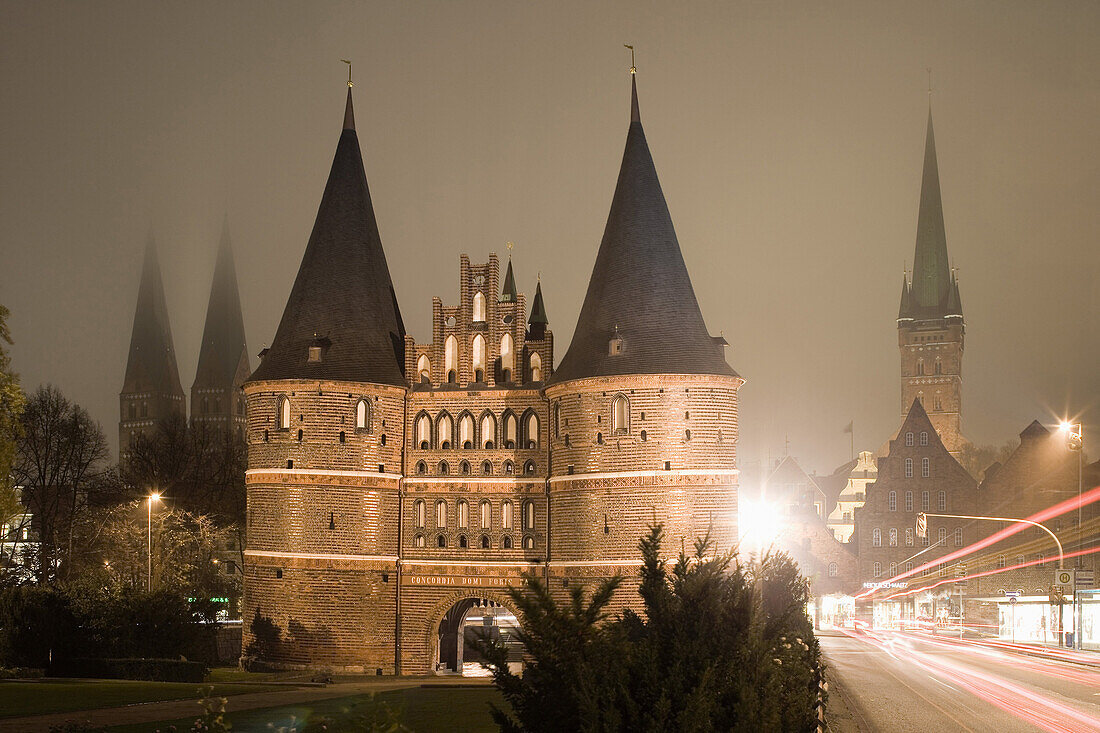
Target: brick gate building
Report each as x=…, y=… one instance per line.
x=392, y=485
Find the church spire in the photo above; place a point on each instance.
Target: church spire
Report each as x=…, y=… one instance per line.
x=151, y=366
x=341, y=320
x=640, y=295
x=538, y=320
x=223, y=356
x=932, y=282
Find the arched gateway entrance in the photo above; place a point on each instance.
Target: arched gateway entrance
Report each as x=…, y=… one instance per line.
x=463, y=625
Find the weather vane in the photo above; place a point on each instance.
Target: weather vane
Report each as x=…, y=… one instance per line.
x=632, y=69
x=349, y=72
x=510, y=245
x=929, y=70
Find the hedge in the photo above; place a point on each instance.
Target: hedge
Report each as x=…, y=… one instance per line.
x=160, y=670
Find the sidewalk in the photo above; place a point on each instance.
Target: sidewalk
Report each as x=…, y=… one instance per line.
x=153, y=712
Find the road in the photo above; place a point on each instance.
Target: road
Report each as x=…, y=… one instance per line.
x=901, y=681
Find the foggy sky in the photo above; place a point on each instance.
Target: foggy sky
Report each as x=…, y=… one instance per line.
x=788, y=138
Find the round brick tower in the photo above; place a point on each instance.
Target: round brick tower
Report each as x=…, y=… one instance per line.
x=643, y=407
x=326, y=414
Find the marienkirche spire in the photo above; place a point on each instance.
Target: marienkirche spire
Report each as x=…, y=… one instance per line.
x=341, y=320
x=640, y=293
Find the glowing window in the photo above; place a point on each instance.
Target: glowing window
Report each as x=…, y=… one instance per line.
x=362, y=415
x=479, y=306
x=876, y=537
x=284, y=413
x=620, y=415
x=463, y=514
x=506, y=515
x=441, y=514
x=893, y=537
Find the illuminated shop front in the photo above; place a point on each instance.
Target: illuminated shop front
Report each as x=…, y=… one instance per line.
x=1034, y=619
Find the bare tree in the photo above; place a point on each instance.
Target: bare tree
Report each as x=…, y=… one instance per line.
x=61, y=464
x=12, y=402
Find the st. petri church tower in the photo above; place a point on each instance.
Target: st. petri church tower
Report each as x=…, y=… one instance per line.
x=394, y=487
x=930, y=319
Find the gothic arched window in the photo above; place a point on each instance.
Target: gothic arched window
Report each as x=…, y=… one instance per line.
x=479, y=307
x=506, y=514
x=620, y=415
x=284, y=413
x=463, y=514
x=531, y=430
x=466, y=431
x=424, y=368
x=441, y=514
x=418, y=512
x=535, y=362
x=510, y=430
x=450, y=359
x=485, y=514
x=488, y=430
x=444, y=431
x=507, y=357
x=424, y=431
x=362, y=415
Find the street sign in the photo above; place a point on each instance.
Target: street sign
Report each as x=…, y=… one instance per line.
x=1012, y=593
x=1085, y=578
x=1063, y=577
x=922, y=525
x=1012, y=600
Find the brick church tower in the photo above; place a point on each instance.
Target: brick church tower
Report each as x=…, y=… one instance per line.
x=216, y=399
x=930, y=319
x=151, y=390
x=643, y=406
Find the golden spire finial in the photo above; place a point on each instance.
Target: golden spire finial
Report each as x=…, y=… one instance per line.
x=510, y=245
x=929, y=70
x=632, y=69
x=538, y=276
x=349, y=72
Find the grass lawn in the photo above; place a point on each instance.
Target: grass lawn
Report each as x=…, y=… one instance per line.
x=18, y=698
x=454, y=709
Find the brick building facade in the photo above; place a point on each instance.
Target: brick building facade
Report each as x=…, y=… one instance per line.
x=394, y=485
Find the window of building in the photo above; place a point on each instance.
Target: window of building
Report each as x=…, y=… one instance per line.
x=942, y=536
x=924, y=437
x=424, y=431
x=485, y=514
x=939, y=366
x=909, y=439
x=529, y=468
x=486, y=468
x=506, y=514
x=920, y=367
x=924, y=501
x=418, y=512
x=424, y=368
x=876, y=537
x=510, y=430
x=478, y=358
x=535, y=365
x=909, y=466
x=893, y=537
x=507, y=357
x=557, y=419
x=528, y=542
x=488, y=430
x=893, y=569
x=462, y=541
x=687, y=435
x=421, y=468
x=925, y=467
x=908, y=501
x=464, y=468
x=878, y=569
x=892, y=501
x=620, y=415
x=479, y=307
x=909, y=537
x=937, y=405
x=599, y=438
x=1000, y=561
x=531, y=430
x=958, y=537
x=362, y=415
x=485, y=542
x=832, y=570
x=441, y=514
x=908, y=567
x=443, y=468
x=418, y=541
x=943, y=570
x=440, y=541
x=509, y=468
x=466, y=431
x=943, y=501
x=506, y=543
x=445, y=431
x=450, y=359
x=528, y=515
x=284, y=413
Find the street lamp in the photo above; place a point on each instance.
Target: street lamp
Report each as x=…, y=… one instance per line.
x=1075, y=441
x=149, y=582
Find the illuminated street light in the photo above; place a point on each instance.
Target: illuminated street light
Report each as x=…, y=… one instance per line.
x=1075, y=441
x=155, y=496
x=760, y=523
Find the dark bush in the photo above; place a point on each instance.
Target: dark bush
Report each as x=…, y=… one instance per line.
x=160, y=670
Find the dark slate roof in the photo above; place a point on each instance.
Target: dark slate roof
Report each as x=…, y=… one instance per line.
x=223, y=341
x=640, y=286
x=538, y=309
x=151, y=365
x=343, y=291
x=508, y=293
x=932, y=290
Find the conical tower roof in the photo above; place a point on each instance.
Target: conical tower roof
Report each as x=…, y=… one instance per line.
x=538, y=308
x=508, y=293
x=223, y=341
x=931, y=286
x=640, y=286
x=151, y=365
x=343, y=297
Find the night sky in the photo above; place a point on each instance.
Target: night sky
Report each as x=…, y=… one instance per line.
x=788, y=136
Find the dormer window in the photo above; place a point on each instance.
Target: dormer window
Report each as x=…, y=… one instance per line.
x=615, y=345
x=318, y=348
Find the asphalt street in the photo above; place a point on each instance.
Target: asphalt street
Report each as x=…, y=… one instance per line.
x=901, y=681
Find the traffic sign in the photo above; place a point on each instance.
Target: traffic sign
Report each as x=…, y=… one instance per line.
x=1012, y=593
x=1012, y=600
x=1085, y=578
x=1063, y=577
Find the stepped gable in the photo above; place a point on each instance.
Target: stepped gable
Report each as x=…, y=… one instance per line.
x=640, y=290
x=224, y=352
x=343, y=300
x=933, y=291
x=151, y=365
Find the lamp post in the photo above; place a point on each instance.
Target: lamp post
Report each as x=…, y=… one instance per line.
x=149, y=581
x=1075, y=441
